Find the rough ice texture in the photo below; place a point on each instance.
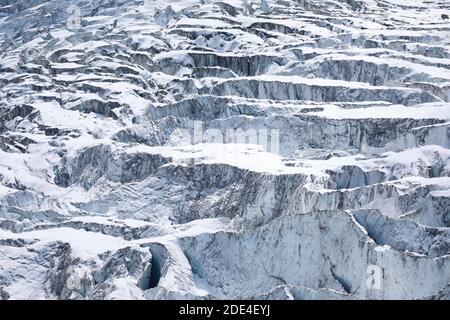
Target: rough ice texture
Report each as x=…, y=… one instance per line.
x=101, y=197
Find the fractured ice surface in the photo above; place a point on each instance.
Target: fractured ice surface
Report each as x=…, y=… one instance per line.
x=103, y=197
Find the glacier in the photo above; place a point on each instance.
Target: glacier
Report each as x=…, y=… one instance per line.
x=241, y=149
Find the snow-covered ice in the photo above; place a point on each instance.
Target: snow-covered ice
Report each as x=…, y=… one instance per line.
x=342, y=166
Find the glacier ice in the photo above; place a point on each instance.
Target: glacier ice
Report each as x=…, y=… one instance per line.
x=338, y=189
